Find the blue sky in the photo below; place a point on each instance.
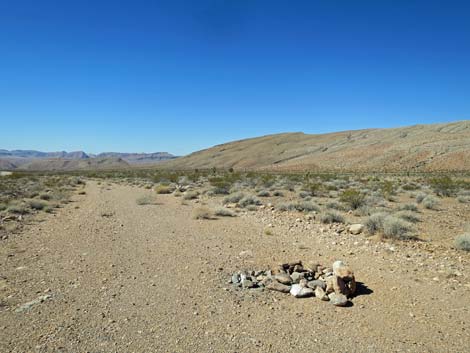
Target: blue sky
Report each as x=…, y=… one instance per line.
x=179, y=76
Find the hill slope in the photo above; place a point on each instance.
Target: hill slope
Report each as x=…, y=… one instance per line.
x=57, y=164
x=435, y=147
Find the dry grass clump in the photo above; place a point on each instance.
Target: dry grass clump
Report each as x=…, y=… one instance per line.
x=333, y=205
x=146, y=200
x=331, y=216
x=249, y=200
x=278, y=193
x=224, y=212
x=233, y=198
x=190, y=195
x=375, y=222
x=409, y=207
x=302, y=206
x=420, y=196
x=263, y=193
x=36, y=204
x=396, y=228
x=18, y=208
x=163, y=189
x=462, y=242
x=202, y=212
x=408, y=216
x=430, y=202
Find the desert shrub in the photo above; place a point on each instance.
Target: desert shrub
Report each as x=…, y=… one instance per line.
x=233, y=198
x=45, y=197
x=333, y=205
x=190, y=195
x=410, y=186
x=249, y=200
x=224, y=212
x=36, y=204
x=331, y=216
x=278, y=193
x=303, y=206
x=375, y=223
x=388, y=189
x=463, y=199
x=146, y=200
x=263, y=193
x=430, y=202
x=409, y=207
x=353, y=198
x=163, y=189
x=304, y=194
x=251, y=208
x=3, y=206
x=307, y=206
x=18, y=209
x=286, y=206
x=408, y=216
x=202, y=212
x=363, y=211
x=462, y=242
x=443, y=186
x=396, y=228
x=420, y=196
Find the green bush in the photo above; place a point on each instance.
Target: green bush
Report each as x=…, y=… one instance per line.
x=353, y=198
x=443, y=186
x=163, y=189
x=36, y=204
x=409, y=207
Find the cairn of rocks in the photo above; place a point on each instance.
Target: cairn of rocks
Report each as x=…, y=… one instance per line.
x=334, y=284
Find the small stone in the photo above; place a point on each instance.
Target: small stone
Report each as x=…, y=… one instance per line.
x=338, y=299
x=283, y=278
x=356, y=228
x=279, y=287
x=235, y=278
x=320, y=294
x=246, y=283
x=296, y=277
x=301, y=292
x=317, y=283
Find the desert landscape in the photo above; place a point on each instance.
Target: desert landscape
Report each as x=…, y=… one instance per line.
x=234, y=176
x=157, y=258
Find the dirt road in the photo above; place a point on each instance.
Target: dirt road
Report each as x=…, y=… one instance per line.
x=118, y=277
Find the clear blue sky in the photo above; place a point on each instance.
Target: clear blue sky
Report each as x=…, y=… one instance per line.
x=179, y=76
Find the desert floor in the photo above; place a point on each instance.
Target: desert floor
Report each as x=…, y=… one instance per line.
x=118, y=277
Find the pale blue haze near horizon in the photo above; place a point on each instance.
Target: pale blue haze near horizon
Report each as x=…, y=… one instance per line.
x=179, y=76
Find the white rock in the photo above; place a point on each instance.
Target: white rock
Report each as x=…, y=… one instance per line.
x=356, y=228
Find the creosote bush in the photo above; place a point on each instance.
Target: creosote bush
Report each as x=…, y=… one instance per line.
x=353, y=198
x=462, y=242
x=36, y=204
x=263, y=193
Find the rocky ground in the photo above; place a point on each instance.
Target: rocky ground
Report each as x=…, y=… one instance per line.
x=104, y=274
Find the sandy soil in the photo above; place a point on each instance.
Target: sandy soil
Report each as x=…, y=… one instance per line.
x=129, y=278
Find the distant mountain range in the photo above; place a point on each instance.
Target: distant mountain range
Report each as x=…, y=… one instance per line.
x=62, y=160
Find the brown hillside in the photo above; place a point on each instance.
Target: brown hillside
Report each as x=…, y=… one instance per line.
x=436, y=147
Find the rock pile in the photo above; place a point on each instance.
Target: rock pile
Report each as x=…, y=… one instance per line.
x=335, y=284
